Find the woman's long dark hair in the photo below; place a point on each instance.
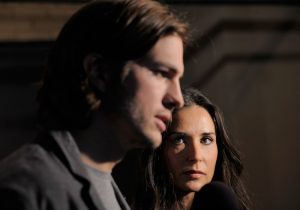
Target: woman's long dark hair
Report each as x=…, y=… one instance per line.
x=157, y=190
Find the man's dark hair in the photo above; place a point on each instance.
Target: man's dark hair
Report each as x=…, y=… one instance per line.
x=113, y=31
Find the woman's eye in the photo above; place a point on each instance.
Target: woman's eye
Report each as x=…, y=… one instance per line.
x=206, y=140
x=177, y=139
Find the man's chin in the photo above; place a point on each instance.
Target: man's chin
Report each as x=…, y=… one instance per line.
x=152, y=142
x=155, y=142
x=148, y=139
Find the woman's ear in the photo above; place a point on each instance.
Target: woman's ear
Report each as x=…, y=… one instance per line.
x=97, y=71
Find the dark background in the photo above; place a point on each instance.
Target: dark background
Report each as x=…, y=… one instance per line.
x=245, y=56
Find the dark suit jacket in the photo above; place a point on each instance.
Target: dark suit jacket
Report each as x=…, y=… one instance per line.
x=46, y=175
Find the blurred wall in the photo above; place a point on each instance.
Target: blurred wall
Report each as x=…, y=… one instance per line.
x=245, y=57
x=26, y=33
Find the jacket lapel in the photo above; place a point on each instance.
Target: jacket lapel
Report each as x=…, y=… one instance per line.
x=67, y=150
x=122, y=201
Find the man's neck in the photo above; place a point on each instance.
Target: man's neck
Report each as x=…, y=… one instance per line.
x=100, y=166
x=101, y=145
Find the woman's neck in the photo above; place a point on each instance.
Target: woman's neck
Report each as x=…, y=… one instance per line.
x=186, y=200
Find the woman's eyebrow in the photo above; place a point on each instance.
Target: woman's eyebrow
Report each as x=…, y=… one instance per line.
x=176, y=133
x=208, y=133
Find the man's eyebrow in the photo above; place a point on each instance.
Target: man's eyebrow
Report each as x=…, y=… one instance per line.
x=166, y=65
x=159, y=64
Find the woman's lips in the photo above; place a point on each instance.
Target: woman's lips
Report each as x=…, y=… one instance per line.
x=194, y=174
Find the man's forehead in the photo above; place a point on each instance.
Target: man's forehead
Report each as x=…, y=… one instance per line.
x=168, y=52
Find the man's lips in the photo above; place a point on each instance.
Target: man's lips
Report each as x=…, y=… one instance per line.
x=161, y=122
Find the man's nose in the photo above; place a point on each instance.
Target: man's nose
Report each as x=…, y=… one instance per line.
x=174, y=98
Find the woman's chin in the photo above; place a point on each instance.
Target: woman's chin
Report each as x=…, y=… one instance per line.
x=192, y=186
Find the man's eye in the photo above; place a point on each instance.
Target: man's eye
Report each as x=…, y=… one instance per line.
x=161, y=73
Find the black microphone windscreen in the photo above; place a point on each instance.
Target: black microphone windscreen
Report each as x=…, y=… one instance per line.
x=215, y=196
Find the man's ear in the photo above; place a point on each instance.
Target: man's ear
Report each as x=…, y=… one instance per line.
x=97, y=71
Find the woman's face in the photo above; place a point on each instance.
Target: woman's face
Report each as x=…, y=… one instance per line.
x=191, y=148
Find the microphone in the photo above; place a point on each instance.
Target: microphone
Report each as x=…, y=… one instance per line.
x=215, y=196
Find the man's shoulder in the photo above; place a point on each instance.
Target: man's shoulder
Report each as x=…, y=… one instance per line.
x=35, y=173
x=31, y=165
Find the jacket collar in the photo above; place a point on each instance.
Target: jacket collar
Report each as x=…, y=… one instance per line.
x=63, y=144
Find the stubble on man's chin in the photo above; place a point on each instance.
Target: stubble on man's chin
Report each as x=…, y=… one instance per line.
x=140, y=139
x=134, y=121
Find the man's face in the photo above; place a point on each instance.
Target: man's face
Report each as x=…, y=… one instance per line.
x=151, y=89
